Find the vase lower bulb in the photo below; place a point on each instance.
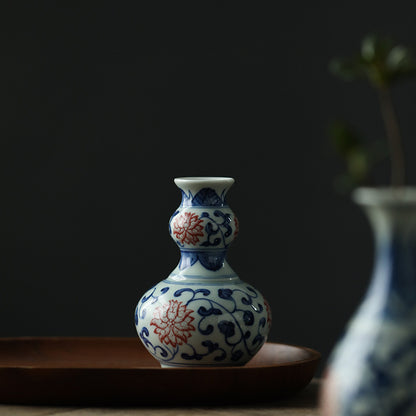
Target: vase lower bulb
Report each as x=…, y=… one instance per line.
x=202, y=314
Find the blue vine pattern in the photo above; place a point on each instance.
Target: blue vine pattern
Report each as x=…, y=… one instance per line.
x=217, y=228
x=218, y=233
x=212, y=229
x=162, y=353
x=236, y=327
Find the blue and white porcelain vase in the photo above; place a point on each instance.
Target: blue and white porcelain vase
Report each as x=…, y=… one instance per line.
x=373, y=369
x=202, y=314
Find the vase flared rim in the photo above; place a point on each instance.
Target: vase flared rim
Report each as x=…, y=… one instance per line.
x=203, y=181
x=385, y=196
x=189, y=179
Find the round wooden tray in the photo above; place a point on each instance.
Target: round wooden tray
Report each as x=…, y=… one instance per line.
x=119, y=371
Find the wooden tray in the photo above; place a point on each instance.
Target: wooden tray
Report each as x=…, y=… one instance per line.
x=119, y=371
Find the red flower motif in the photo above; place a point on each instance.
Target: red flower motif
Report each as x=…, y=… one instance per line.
x=187, y=228
x=173, y=323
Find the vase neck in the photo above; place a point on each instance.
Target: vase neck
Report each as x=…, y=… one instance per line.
x=204, y=191
x=394, y=226
x=196, y=269
x=203, y=227
x=391, y=211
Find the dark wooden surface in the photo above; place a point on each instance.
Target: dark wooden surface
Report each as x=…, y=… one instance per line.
x=305, y=403
x=119, y=371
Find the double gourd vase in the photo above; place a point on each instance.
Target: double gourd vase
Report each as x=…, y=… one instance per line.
x=202, y=314
x=373, y=368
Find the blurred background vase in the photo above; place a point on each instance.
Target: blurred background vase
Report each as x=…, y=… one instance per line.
x=372, y=370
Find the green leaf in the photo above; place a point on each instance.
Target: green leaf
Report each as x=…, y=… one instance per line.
x=401, y=63
x=375, y=48
x=398, y=57
x=381, y=61
x=368, y=48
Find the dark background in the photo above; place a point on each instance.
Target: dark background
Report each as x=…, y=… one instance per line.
x=102, y=106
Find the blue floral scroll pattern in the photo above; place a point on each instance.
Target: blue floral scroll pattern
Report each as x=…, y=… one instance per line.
x=376, y=361
x=217, y=231
x=378, y=389
x=234, y=321
x=161, y=352
x=218, y=235
x=235, y=332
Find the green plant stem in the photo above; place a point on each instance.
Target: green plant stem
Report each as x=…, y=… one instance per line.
x=393, y=136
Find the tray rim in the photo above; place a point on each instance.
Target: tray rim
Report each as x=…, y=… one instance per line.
x=315, y=356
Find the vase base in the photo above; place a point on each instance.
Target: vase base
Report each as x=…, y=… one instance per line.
x=201, y=365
